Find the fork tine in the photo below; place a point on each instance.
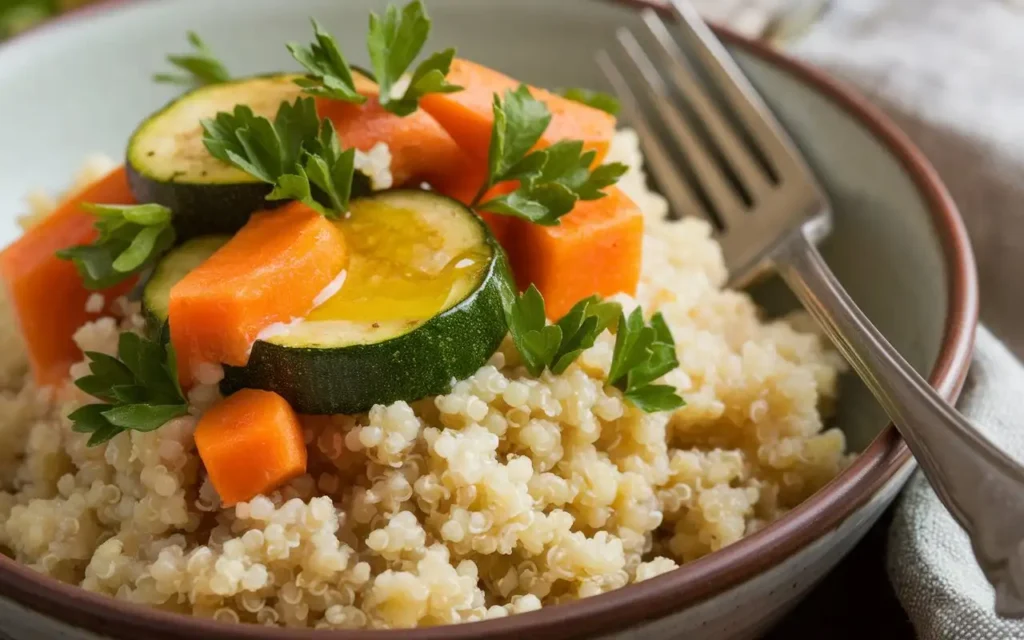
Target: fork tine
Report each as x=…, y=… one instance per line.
x=720, y=192
x=755, y=116
x=657, y=157
x=750, y=173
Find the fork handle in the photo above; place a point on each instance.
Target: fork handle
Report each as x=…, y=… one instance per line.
x=982, y=487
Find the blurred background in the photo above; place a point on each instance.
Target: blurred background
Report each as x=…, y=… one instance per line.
x=19, y=15
x=776, y=20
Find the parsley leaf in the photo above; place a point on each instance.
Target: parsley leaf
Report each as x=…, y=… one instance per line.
x=598, y=100
x=326, y=169
x=18, y=15
x=202, y=67
x=519, y=122
x=330, y=75
x=587, y=319
x=297, y=153
x=551, y=180
x=138, y=389
x=591, y=188
x=644, y=353
x=543, y=346
x=131, y=238
x=263, y=149
x=535, y=341
x=655, y=397
x=543, y=204
x=394, y=41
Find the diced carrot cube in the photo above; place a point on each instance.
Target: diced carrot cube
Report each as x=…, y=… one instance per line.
x=467, y=115
x=270, y=271
x=250, y=443
x=420, y=148
x=595, y=250
x=46, y=292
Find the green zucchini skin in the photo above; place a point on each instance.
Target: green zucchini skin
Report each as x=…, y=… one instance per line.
x=167, y=161
x=204, y=209
x=449, y=347
x=409, y=367
x=174, y=266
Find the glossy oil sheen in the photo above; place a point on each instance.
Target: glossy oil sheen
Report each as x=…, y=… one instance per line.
x=402, y=266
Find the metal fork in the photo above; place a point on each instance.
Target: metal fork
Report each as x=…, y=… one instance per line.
x=742, y=172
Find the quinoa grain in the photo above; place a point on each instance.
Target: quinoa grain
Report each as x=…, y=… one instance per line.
x=505, y=495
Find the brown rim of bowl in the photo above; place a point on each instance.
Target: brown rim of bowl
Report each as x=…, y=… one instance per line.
x=694, y=581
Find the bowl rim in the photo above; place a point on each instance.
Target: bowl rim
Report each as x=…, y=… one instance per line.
x=662, y=595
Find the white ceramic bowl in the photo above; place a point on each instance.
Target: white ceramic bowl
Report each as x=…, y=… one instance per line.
x=81, y=84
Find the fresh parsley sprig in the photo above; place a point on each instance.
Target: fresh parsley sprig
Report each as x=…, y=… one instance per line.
x=394, y=41
x=201, y=67
x=551, y=180
x=131, y=238
x=263, y=149
x=519, y=122
x=603, y=101
x=326, y=169
x=330, y=75
x=298, y=153
x=555, y=346
x=138, y=389
x=644, y=353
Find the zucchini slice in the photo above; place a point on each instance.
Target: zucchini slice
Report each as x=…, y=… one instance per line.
x=168, y=164
x=174, y=266
x=420, y=307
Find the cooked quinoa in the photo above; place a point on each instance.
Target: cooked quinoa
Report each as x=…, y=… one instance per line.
x=508, y=494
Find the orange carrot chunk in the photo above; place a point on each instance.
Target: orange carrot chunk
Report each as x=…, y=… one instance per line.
x=46, y=293
x=270, y=271
x=251, y=443
x=420, y=148
x=595, y=250
x=467, y=115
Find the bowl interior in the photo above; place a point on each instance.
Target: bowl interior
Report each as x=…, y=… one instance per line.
x=74, y=89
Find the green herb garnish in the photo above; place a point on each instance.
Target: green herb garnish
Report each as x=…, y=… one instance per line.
x=325, y=169
x=330, y=75
x=139, y=388
x=551, y=180
x=202, y=67
x=556, y=346
x=598, y=100
x=131, y=238
x=18, y=15
x=297, y=153
x=394, y=41
x=644, y=353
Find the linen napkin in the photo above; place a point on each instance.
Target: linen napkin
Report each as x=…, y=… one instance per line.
x=949, y=72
